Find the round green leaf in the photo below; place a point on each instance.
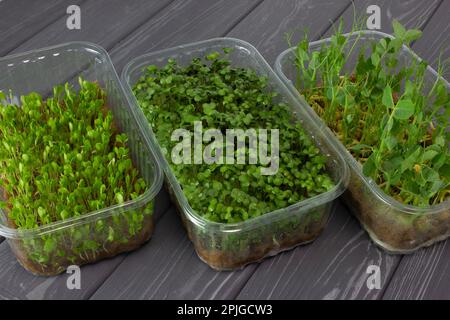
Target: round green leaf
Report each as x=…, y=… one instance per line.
x=404, y=109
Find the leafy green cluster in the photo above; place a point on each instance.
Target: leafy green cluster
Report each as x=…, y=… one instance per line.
x=384, y=111
x=63, y=157
x=223, y=97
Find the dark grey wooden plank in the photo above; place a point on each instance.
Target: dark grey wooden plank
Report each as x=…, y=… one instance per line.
x=6, y=295
x=168, y=268
x=24, y=285
x=426, y=274
x=266, y=27
x=334, y=267
x=182, y=22
x=435, y=41
x=411, y=13
x=167, y=283
x=422, y=275
x=22, y=19
x=105, y=23
x=42, y=287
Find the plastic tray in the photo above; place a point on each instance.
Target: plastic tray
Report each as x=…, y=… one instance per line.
x=392, y=225
x=99, y=234
x=229, y=246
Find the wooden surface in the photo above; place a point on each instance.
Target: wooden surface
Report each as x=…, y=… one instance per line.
x=167, y=267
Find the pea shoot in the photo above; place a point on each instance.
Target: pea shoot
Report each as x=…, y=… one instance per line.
x=384, y=111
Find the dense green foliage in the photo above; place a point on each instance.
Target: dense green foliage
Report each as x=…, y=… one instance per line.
x=384, y=110
x=224, y=97
x=63, y=157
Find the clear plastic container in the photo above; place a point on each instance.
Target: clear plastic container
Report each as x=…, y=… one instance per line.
x=229, y=246
x=50, y=249
x=392, y=225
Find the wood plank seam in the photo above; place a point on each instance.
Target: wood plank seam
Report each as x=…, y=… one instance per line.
x=124, y=257
x=330, y=24
x=5, y=294
x=333, y=21
x=390, y=276
x=58, y=17
x=428, y=19
x=389, y=279
x=156, y=13
x=242, y=18
x=80, y=2
x=251, y=9
x=394, y=273
x=55, y=20
x=31, y=36
x=228, y=31
x=159, y=11
x=230, y=28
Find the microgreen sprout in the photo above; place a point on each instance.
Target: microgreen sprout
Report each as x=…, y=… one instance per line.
x=60, y=158
x=224, y=97
x=384, y=111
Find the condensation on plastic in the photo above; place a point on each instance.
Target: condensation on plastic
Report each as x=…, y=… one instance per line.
x=229, y=246
x=102, y=233
x=392, y=225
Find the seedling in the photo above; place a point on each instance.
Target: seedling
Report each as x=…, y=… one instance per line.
x=223, y=97
x=60, y=158
x=220, y=96
x=383, y=112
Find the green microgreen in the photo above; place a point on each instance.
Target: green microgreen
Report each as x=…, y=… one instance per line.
x=223, y=97
x=60, y=158
x=384, y=110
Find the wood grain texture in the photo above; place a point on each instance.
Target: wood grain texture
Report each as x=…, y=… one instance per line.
x=435, y=41
x=266, y=26
x=22, y=19
x=102, y=22
x=168, y=284
x=168, y=268
x=426, y=274
x=319, y=258
x=6, y=295
x=15, y=277
x=183, y=22
x=332, y=267
x=24, y=285
x=422, y=275
x=411, y=13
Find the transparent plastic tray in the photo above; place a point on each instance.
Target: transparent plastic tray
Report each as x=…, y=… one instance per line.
x=392, y=225
x=99, y=234
x=229, y=246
